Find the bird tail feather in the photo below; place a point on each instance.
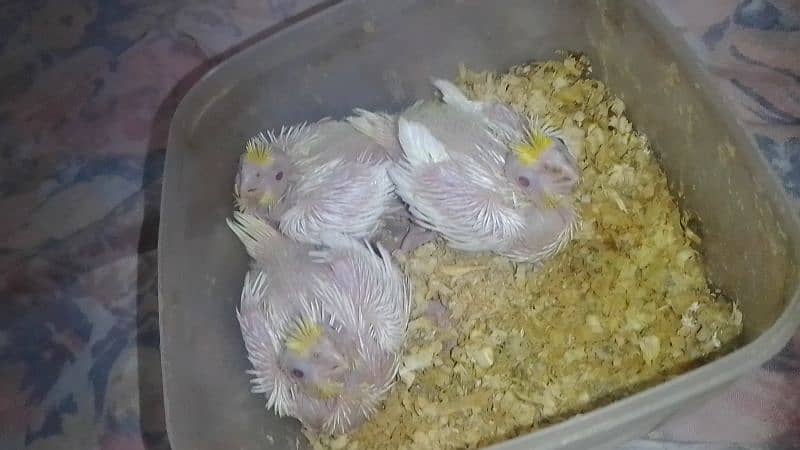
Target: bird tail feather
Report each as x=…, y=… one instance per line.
x=251, y=231
x=379, y=127
x=453, y=96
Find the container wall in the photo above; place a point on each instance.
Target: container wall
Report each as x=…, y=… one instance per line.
x=710, y=164
x=380, y=54
x=369, y=54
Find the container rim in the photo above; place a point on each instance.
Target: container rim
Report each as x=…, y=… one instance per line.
x=671, y=392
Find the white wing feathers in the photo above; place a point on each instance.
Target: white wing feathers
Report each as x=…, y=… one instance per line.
x=380, y=127
x=453, y=194
x=337, y=197
x=383, y=307
x=252, y=232
x=453, y=96
x=420, y=147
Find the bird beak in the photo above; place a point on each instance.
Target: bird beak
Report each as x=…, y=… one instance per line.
x=340, y=363
x=266, y=199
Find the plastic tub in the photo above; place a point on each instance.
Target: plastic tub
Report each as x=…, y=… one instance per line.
x=380, y=54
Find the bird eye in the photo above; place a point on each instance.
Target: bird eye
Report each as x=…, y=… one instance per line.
x=524, y=181
x=297, y=373
x=258, y=174
x=279, y=176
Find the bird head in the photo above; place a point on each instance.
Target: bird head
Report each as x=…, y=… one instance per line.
x=312, y=360
x=540, y=163
x=263, y=175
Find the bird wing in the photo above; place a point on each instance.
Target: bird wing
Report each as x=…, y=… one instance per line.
x=373, y=376
x=270, y=250
x=453, y=96
x=373, y=294
x=341, y=196
x=468, y=202
x=262, y=342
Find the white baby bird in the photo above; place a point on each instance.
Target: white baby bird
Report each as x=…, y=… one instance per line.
x=485, y=177
x=322, y=177
x=322, y=325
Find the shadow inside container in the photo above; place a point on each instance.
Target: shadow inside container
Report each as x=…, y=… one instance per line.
x=151, y=397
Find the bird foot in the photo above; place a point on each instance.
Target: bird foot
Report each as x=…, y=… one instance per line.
x=415, y=238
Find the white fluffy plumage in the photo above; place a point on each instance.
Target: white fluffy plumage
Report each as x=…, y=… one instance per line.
x=322, y=325
x=452, y=175
x=331, y=178
x=398, y=231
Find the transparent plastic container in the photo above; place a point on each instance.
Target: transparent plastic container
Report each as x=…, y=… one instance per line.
x=381, y=54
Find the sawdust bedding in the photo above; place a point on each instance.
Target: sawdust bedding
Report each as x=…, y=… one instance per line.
x=497, y=349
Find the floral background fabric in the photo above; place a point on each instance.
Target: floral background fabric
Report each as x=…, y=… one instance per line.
x=88, y=91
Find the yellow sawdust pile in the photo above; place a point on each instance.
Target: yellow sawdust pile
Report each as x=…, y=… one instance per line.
x=626, y=305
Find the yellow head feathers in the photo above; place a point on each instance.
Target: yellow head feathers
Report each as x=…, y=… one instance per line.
x=304, y=337
x=532, y=147
x=258, y=152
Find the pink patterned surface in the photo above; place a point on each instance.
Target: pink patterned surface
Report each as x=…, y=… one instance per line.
x=89, y=90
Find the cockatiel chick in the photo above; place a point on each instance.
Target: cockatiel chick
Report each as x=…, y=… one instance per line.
x=323, y=325
x=485, y=177
x=314, y=178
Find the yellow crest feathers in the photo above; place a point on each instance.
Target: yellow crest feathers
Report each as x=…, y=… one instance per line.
x=532, y=147
x=304, y=337
x=258, y=152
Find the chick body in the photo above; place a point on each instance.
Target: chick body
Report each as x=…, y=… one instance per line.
x=322, y=325
x=485, y=177
x=316, y=178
